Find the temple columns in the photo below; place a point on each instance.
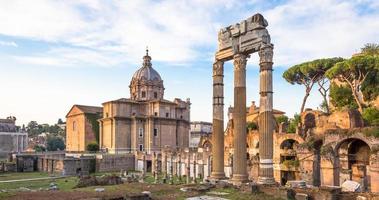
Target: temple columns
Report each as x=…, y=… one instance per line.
x=239, y=119
x=218, y=121
x=266, y=118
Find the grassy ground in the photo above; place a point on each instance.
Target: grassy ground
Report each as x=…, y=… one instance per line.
x=25, y=175
x=67, y=191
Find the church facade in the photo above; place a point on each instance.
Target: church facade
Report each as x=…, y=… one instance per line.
x=145, y=122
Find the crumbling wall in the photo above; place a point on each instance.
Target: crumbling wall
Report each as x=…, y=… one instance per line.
x=107, y=163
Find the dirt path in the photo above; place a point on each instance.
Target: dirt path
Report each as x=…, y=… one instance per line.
x=32, y=179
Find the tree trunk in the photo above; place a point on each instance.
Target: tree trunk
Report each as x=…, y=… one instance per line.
x=355, y=95
x=304, y=101
x=327, y=104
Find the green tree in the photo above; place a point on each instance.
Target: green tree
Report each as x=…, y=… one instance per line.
x=370, y=49
x=293, y=123
x=252, y=126
x=309, y=73
x=55, y=143
x=370, y=87
x=39, y=148
x=281, y=119
x=354, y=72
x=342, y=97
x=60, y=121
x=371, y=116
x=33, y=128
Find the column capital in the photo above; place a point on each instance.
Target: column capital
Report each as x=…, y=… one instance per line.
x=218, y=68
x=239, y=61
x=266, y=53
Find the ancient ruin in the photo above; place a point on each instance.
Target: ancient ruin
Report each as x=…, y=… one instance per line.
x=237, y=42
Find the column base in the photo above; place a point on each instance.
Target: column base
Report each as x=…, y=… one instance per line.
x=217, y=176
x=238, y=179
x=266, y=181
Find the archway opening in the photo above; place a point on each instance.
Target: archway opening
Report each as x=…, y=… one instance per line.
x=354, y=160
x=289, y=162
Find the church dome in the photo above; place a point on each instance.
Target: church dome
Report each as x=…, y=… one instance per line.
x=146, y=83
x=146, y=72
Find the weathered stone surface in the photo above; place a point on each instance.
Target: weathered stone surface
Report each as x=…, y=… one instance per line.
x=86, y=181
x=301, y=196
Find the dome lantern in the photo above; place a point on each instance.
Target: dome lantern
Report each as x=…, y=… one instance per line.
x=146, y=83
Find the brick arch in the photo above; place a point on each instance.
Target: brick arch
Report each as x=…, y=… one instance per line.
x=351, y=138
x=206, y=143
x=295, y=137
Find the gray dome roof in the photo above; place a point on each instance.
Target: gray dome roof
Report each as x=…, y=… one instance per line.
x=146, y=72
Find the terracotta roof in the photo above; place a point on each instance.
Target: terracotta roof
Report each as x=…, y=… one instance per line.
x=90, y=109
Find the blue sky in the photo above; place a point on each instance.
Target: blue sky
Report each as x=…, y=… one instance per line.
x=54, y=54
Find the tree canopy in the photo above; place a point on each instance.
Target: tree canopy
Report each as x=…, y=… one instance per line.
x=55, y=143
x=371, y=49
x=309, y=73
x=354, y=72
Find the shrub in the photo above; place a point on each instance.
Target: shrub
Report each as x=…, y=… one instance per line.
x=252, y=126
x=93, y=146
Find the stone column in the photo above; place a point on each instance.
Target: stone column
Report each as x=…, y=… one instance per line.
x=266, y=118
x=239, y=119
x=155, y=167
x=171, y=168
x=180, y=166
x=194, y=168
x=144, y=164
x=188, y=178
x=218, y=121
x=164, y=166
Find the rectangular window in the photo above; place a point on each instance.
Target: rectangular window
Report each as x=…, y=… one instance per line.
x=141, y=147
x=155, y=95
x=74, y=126
x=143, y=94
x=155, y=132
x=140, y=132
x=167, y=114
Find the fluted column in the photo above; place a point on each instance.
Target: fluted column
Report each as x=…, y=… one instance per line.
x=218, y=121
x=266, y=173
x=239, y=119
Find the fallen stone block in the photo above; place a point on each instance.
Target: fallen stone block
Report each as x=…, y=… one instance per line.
x=351, y=186
x=301, y=196
x=99, y=189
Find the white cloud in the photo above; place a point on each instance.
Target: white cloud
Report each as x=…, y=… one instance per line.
x=171, y=29
x=10, y=44
x=112, y=32
x=73, y=57
x=305, y=30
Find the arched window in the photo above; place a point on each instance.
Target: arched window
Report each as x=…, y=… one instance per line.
x=155, y=95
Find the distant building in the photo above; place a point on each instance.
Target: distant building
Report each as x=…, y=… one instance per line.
x=145, y=122
x=199, y=129
x=11, y=139
x=82, y=127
